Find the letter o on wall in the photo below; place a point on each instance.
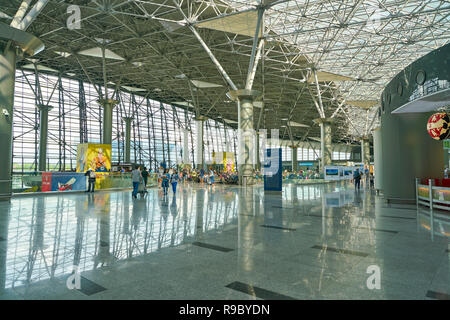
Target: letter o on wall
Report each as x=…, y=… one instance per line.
x=421, y=76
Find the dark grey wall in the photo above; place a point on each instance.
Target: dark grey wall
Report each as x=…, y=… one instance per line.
x=407, y=149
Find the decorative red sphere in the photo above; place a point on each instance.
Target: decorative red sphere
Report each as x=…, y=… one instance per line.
x=438, y=126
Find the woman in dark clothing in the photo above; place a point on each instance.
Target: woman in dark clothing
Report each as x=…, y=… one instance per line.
x=144, y=174
x=357, y=178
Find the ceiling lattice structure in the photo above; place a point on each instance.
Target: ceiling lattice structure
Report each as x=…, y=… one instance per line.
x=355, y=48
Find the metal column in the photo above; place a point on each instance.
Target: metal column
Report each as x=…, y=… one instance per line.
x=326, y=148
x=128, y=121
x=365, y=152
x=108, y=106
x=43, y=135
x=199, y=154
x=378, y=159
x=185, y=146
x=294, y=158
x=7, y=72
x=246, y=134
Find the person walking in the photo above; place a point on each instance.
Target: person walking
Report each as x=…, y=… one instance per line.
x=174, y=181
x=145, y=176
x=136, y=178
x=211, y=177
x=165, y=181
x=91, y=179
x=372, y=181
x=357, y=179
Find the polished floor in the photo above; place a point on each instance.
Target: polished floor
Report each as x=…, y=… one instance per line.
x=226, y=242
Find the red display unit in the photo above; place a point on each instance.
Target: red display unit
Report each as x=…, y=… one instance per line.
x=46, y=182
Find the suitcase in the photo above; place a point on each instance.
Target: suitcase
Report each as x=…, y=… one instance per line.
x=141, y=189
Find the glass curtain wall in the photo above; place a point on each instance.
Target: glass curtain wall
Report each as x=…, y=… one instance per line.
x=76, y=117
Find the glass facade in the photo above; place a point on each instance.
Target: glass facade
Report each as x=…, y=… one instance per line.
x=76, y=117
x=311, y=154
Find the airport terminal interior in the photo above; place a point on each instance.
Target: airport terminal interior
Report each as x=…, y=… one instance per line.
x=224, y=150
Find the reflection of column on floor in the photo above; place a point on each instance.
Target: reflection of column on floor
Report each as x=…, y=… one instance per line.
x=39, y=224
x=327, y=211
x=103, y=257
x=126, y=214
x=257, y=202
x=4, y=225
x=324, y=218
x=185, y=215
x=246, y=228
x=200, y=201
x=174, y=214
x=37, y=241
x=273, y=212
x=80, y=214
x=294, y=196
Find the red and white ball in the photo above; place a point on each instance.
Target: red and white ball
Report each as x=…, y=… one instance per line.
x=438, y=126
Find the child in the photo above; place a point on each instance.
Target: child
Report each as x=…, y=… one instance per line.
x=174, y=181
x=165, y=181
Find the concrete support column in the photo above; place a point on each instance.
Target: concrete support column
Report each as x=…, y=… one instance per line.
x=43, y=135
x=408, y=152
x=7, y=74
x=128, y=121
x=200, y=149
x=186, y=146
x=365, y=151
x=326, y=148
x=246, y=134
x=108, y=106
x=294, y=158
x=378, y=159
x=257, y=150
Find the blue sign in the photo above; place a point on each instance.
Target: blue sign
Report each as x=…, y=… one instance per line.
x=332, y=172
x=307, y=164
x=68, y=181
x=272, y=170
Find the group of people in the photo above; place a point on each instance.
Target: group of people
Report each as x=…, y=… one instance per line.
x=169, y=176
x=359, y=175
x=200, y=176
x=139, y=177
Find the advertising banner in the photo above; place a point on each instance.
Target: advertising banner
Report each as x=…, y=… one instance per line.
x=63, y=181
x=333, y=173
x=68, y=181
x=348, y=172
x=272, y=170
x=228, y=161
x=95, y=156
x=46, y=182
x=224, y=158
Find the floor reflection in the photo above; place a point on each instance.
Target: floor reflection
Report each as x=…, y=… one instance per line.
x=310, y=238
x=48, y=235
